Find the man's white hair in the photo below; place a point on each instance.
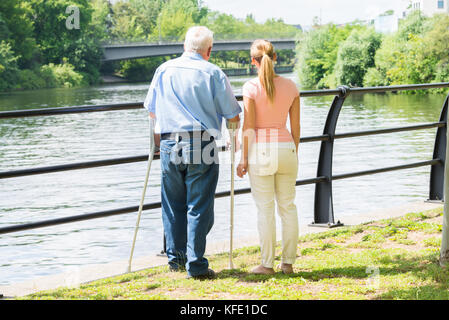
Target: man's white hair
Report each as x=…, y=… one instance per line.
x=198, y=39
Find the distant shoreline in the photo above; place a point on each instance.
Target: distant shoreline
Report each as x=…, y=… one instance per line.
x=107, y=79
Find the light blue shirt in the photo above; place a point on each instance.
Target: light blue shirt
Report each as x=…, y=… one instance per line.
x=189, y=93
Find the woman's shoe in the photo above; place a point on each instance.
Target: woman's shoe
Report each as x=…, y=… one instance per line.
x=286, y=268
x=262, y=270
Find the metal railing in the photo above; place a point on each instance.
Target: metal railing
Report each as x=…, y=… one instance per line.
x=180, y=40
x=323, y=208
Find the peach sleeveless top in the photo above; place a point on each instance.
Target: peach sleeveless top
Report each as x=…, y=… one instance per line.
x=271, y=119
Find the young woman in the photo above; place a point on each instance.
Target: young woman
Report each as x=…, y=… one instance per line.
x=269, y=155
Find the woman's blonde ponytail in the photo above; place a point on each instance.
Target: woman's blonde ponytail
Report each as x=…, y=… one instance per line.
x=263, y=52
x=266, y=76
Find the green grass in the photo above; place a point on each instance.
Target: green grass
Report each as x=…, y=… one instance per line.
x=387, y=259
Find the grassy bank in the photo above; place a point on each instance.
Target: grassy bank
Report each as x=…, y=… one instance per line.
x=388, y=259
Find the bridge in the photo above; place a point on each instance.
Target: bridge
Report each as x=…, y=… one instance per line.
x=114, y=52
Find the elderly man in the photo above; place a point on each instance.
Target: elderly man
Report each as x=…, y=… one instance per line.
x=189, y=97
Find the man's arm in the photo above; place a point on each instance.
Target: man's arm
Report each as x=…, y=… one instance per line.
x=225, y=102
x=235, y=119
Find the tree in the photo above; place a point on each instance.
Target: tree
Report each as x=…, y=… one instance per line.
x=126, y=23
x=9, y=70
x=16, y=27
x=356, y=55
x=80, y=46
x=415, y=23
x=177, y=16
x=102, y=18
x=436, y=47
x=317, y=54
x=416, y=53
x=4, y=30
x=147, y=13
x=226, y=26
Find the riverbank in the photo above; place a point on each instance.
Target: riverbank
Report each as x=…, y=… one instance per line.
x=228, y=71
x=253, y=71
x=387, y=254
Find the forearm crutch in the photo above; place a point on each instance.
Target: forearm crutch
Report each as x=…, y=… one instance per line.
x=232, y=127
x=150, y=160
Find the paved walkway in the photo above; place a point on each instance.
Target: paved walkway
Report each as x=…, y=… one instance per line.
x=80, y=275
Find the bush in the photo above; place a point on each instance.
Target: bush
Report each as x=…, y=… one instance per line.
x=317, y=54
x=47, y=76
x=140, y=69
x=9, y=70
x=30, y=79
x=328, y=81
x=442, y=73
x=355, y=56
x=61, y=75
x=373, y=78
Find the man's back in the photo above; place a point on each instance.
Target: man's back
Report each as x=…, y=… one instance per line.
x=188, y=93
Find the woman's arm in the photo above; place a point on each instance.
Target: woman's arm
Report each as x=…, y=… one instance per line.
x=295, y=121
x=248, y=134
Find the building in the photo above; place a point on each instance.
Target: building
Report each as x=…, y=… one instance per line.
x=427, y=7
x=386, y=23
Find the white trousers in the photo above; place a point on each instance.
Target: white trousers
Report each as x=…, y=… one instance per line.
x=272, y=172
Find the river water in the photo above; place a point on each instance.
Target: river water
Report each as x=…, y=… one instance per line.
x=53, y=140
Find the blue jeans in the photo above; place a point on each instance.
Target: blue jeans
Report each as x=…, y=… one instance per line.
x=187, y=196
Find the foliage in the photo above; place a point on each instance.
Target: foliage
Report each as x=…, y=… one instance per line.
x=140, y=69
x=416, y=53
x=40, y=43
x=31, y=79
x=4, y=30
x=125, y=23
x=8, y=66
x=61, y=75
x=177, y=16
x=227, y=27
x=79, y=47
x=373, y=78
x=16, y=27
x=170, y=20
x=356, y=55
x=415, y=23
x=317, y=53
x=152, y=20
x=102, y=18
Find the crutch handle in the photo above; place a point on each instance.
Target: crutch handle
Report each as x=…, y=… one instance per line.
x=232, y=125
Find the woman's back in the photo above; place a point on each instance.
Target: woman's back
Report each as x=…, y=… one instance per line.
x=272, y=116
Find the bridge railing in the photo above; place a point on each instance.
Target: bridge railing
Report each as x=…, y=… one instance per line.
x=180, y=40
x=114, y=52
x=323, y=208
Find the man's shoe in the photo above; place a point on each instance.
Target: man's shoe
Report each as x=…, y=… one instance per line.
x=210, y=274
x=177, y=268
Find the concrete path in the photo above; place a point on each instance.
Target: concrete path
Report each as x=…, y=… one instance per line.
x=80, y=275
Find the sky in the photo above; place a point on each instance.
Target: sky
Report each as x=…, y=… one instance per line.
x=303, y=11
